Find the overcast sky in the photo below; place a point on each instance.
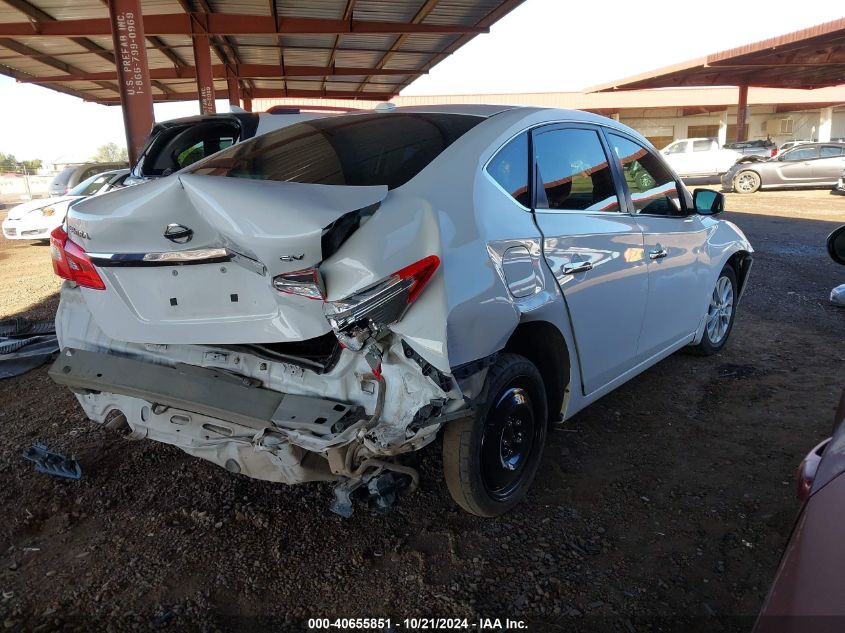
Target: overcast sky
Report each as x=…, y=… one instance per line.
x=542, y=46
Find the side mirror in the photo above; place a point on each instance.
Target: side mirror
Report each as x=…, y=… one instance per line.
x=708, y=202
x=836, y=245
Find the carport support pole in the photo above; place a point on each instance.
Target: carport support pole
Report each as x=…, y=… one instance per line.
x=741, y=113
x=205, y=78
x=246, y=97
x=232, y=85
x=825, y=124
x=133, y=74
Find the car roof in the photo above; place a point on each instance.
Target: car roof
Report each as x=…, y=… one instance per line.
x=475, y=109
x=805, y=144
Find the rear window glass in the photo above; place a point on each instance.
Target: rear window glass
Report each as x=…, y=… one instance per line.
x=358, y=150
x=63, y=176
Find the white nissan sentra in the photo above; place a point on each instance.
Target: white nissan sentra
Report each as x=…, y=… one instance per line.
x=316, y=302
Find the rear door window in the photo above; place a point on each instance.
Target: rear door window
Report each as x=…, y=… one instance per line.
x=831, y=151
x=509, y=168
x=702, y=146
x=574, y=172
x=357, y=150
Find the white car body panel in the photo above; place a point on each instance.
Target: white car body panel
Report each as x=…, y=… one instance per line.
x=606, y=304
x=500, y=268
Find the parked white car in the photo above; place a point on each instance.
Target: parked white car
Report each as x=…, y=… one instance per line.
x=313, y=303
x=699, y=157
x=36, y=219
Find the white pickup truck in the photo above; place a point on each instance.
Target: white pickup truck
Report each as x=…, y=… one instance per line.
x=699, y=157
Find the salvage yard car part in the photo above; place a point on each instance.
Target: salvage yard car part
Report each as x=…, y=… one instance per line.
x=338, y=292
x=52, y=463
x=25, y=345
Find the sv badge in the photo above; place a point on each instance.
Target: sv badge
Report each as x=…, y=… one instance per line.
x=290, y=258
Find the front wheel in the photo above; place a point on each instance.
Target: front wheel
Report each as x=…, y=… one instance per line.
x=747, y=181
x=720, y=314
x=490, y=458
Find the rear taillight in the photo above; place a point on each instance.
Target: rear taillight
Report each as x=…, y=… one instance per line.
x=385, y=301
x=305, y=283
x=70, y=261
x=774, y=152
x=806, y=473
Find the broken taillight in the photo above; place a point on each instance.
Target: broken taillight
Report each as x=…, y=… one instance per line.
x=70, y=261
x=385, y=301
x=305, y=283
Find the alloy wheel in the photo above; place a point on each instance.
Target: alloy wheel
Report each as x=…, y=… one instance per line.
x=720, y=311
x=747, y=182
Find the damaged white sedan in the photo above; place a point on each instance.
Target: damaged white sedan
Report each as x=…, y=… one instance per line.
x=313, y=303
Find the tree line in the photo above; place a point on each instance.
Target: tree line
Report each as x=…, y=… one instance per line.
x=108, y=153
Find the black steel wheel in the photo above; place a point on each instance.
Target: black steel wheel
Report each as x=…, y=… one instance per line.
x=491, y=458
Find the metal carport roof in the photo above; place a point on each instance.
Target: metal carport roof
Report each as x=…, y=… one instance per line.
x=262, y=48
x=810, y=58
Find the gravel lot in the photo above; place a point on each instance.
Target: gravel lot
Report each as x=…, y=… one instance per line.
x=662, y=507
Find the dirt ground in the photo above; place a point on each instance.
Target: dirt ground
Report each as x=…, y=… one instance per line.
x=663, y=507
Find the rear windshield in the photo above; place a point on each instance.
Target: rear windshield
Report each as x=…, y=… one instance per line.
x=358, y=150
x=64, y=176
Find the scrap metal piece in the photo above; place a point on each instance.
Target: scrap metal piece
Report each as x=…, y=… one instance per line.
x=342, y=504
x=50, y=463
x=25, y=345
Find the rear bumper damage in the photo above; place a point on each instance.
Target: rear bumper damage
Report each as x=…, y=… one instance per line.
x=264, y=418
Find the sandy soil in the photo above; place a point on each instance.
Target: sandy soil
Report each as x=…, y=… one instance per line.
x=662, y=507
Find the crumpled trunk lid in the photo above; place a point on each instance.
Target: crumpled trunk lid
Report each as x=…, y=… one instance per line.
x=238, y=234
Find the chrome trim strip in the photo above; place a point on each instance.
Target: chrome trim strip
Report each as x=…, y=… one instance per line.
x=167, y=258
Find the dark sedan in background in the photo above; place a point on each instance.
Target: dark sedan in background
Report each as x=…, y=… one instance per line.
x=805, y=165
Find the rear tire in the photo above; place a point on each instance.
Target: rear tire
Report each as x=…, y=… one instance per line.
x=747, y=181
x=491, y=458
x=721, y=312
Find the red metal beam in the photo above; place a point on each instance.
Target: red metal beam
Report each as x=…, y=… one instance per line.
x=233, y=88
x=205, y=78
x=220, y=71
x=270, y=93
x=741, y=113
x=36, y=14
x=136, y=95
x=231, y=24
x=422, y=14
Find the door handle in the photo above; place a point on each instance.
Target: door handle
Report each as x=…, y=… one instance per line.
x=576, y=267
x=658, y=254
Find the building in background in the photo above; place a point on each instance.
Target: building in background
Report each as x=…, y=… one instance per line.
x=666, y=114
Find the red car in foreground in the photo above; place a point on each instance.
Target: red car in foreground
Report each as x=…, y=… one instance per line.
x=808, y=594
